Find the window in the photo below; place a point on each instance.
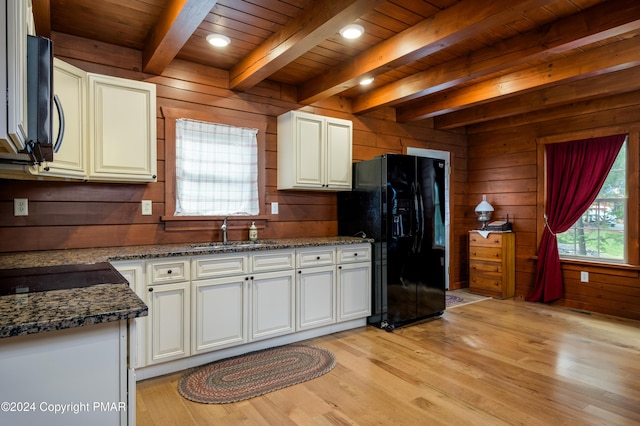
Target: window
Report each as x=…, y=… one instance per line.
x=600, y=232
x=212, y=114
x=216, y=169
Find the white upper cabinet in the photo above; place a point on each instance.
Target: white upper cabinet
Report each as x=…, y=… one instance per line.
x=110, y=128
x=122, y=129
x=314, y=152
x=15, y=19
x=69, y=84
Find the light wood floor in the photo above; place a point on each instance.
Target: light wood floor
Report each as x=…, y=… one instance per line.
x=494, y=362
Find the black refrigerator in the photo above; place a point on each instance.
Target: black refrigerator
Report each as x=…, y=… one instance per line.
x=398, y=200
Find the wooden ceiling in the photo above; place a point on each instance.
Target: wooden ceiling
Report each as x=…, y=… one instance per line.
x=458, y=62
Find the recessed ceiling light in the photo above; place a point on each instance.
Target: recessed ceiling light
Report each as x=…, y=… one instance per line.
x=366, y=81
x=218, y=40
x=352, y=31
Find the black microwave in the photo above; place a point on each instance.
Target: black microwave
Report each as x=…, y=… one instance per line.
x=40, y=101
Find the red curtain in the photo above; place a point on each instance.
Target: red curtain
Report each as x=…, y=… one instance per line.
x=576, y=172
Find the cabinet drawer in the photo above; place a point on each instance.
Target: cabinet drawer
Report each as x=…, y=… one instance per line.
x=272, y=261
x=168, y=271
x=485, y=267
x=486, y=282
x=315, y=257
x=489, y=254
x=356, y=253
x=220, y=265
x=492, y=240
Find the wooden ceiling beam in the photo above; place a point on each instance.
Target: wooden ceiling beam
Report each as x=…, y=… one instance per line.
x=42, y=17
x=462, y=21
x=552, y=103
x=592, y=25
x=178, y=22
x=312, y=26
x=609, y=58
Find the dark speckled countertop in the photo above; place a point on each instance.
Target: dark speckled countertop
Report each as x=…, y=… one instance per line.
x=58, y=309
x=111, y=254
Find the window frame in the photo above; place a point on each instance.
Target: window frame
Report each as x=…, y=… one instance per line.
x=632, y=225
x=216, y=115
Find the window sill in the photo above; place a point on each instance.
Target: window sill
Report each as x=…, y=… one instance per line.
x=596, y=264
x=196, y=223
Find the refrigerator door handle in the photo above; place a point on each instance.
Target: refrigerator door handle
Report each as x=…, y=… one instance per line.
x=416, y=220
x=421, y=219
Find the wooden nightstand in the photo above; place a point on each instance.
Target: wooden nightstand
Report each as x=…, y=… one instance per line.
x=492, y=264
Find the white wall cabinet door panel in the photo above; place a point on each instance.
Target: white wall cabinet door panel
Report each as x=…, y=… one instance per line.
x=122, y=128
x=314, y=152
x=13, y=76
x=338, y=163
x=70, y=85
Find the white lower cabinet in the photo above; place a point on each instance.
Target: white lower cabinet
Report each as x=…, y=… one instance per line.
x=207, y=303
x=354, y=291
x=273, y=303
x=316, y=292
x=168, y=334
x=219, y=313
x=133, y=272
x=354, y=281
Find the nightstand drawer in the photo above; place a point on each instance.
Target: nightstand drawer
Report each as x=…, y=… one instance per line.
x=485, y=267
x=489, y=254
x=492, y=240
x=486, y=282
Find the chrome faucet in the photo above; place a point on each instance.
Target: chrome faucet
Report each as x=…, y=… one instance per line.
x=224, y=230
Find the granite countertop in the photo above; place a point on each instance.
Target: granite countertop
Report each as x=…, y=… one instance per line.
x=39, y=312
x=112, y=254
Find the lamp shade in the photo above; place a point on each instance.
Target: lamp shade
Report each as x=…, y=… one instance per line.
x=484, y=205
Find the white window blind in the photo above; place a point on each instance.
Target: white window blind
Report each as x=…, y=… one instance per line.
x=216, y=169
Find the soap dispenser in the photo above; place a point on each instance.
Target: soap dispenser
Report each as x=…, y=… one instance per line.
x=253, y=232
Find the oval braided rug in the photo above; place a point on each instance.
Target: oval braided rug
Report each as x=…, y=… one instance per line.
x=246, y=376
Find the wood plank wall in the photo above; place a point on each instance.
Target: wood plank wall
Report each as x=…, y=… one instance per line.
x=503, y=163
x=77, y=215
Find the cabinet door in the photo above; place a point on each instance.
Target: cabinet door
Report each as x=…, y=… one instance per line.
x=273, y=304
x=220, y=313
x=354, y=291
x=13, y=122
x=69, y=83
x=133, y=272
x=316, y=295
x=169, y=320
x=338, y=163
x=122, y=129
x=310, y=150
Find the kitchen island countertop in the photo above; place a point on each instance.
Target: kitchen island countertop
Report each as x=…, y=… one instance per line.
x=38, y=312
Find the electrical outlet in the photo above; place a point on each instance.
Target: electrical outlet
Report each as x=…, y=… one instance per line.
x=147, y=208
x=21, y=207
x=584, y=276
x=274, y=208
